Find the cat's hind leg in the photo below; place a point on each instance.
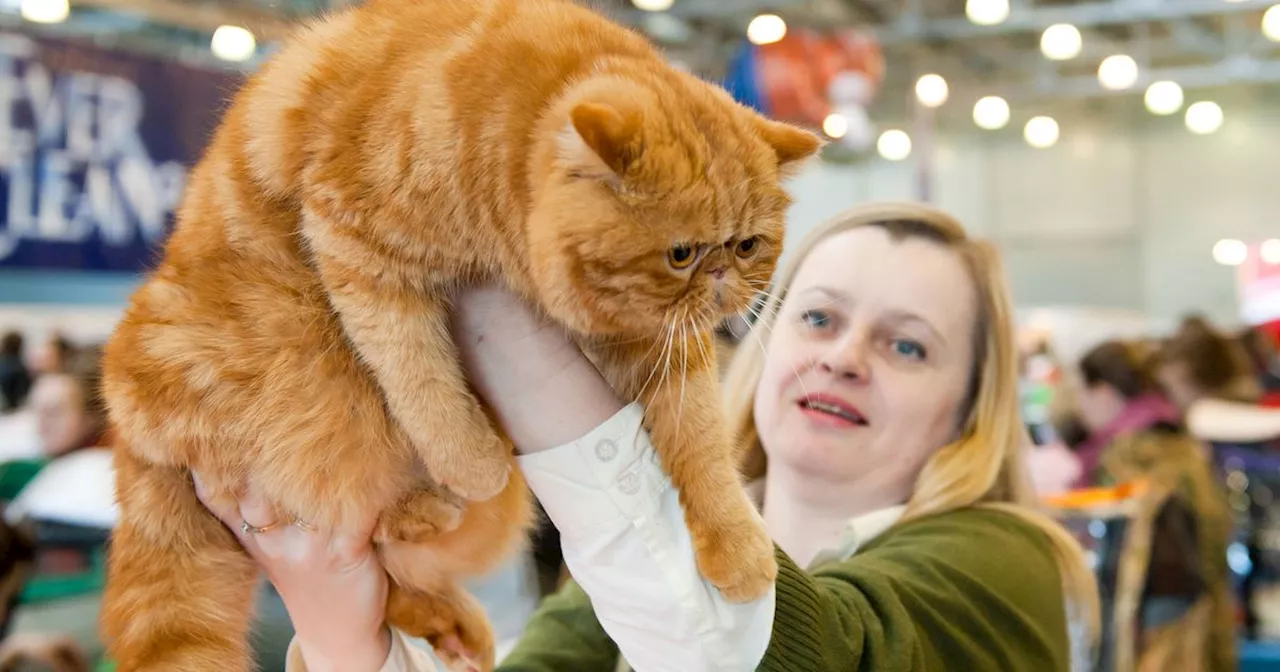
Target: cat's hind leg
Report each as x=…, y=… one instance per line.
x=452, y=621
x=425, y=600
x=179, y=594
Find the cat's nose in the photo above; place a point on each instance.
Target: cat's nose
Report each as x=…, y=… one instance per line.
x=717, y=272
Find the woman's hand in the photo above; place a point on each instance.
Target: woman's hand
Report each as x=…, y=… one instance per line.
x=332, y=584
x=544, y=391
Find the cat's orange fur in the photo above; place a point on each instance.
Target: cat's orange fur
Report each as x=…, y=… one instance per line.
x=296, y=337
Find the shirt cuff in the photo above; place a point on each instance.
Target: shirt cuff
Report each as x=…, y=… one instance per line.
x=402, y=658
x=611, y=474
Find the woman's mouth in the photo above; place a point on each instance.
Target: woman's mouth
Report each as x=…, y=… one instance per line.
x=832, y=409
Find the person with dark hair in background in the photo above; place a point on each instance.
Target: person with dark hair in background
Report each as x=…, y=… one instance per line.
x=1117, y=397
x=1135, y=433
x=15, y=380
x=1264, y=355
x=1200, y=362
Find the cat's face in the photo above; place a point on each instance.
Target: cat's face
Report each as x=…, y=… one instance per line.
x=657, y=215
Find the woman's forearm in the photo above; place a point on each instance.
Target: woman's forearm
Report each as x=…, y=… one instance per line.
x=625, y=540
x=544, y=392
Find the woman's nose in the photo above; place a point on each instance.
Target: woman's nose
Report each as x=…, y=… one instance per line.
x=846, y=359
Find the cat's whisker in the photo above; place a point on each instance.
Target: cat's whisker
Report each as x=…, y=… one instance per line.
x=657, y=363
x=670, y=350
x=642, y=359
x=702, y=350
x=684, y=366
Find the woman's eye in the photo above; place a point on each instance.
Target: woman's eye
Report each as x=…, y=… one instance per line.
x=680, y=256
x=908, y=348
x=747, y=247
x=816, y=319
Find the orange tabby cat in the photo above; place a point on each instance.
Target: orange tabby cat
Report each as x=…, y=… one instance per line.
x=296, y=335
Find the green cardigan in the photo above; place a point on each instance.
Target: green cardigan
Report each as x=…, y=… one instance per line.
x=973, y=589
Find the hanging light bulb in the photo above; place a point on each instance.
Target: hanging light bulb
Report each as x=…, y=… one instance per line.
x=987, y=12
x=1118, y=72
x=1061, y=42
x=1271, y=23
x=991, y=113
x=233, y=43
x=1163, y=98
x=1230, y=252
x=1204, y=117
x=932, y=90
x=766, y=29
x=653, y=5
x=1041, y=132
x=894, y=145
x=1270, y=251
x=45, y=11
x=835, y=125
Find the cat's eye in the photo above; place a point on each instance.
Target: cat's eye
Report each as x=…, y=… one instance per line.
x=680, y=256
x=747, y=247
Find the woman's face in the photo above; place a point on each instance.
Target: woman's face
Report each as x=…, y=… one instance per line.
x=1100, y=404
x=61, y=421
x=869, y=363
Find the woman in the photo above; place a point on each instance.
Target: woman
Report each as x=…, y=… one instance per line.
x=880, y=419
x=1136, y=434
x=75, y=485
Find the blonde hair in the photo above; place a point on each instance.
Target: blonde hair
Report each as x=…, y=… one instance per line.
x=984, y=467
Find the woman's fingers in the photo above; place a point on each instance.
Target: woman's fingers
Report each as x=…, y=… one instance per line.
x=225, y=509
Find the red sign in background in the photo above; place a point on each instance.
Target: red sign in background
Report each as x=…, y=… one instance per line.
x=1258, y=287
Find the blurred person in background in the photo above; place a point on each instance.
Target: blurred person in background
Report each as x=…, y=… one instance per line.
x=882, y=436
x=1264, y=354
x=69, y=496
x=50, y=355
x=1200, y=362
x=1210, y=376
x=71, y=421
x=15, y=380
x=1134, y=434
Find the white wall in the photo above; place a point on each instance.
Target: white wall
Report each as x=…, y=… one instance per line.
x=1122, y=213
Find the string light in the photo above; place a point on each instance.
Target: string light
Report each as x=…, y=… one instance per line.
x=1163, y=98
x=932, y=90
x=1041, y=132
x=1061, y=42
x=894, y=145
x=766, y=29
x=991, y=113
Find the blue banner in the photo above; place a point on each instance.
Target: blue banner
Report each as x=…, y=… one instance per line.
x=95, y=148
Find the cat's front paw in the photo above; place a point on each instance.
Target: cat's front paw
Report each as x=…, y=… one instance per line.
x=419, y=517
x=737, y=558
x=476, y=474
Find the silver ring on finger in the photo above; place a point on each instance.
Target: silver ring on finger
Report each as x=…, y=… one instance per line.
x=249, y=528
x=302, y=525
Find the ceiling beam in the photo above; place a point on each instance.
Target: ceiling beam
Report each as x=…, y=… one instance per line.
x=1231, y=70
x=202, y=16
x=1037, y=18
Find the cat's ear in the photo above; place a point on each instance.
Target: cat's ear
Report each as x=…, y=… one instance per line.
x=792, y=145
x=603, y=142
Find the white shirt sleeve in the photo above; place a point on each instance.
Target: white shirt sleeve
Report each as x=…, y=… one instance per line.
x=624, y=539
x=403, y=658
x=1217, y=420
